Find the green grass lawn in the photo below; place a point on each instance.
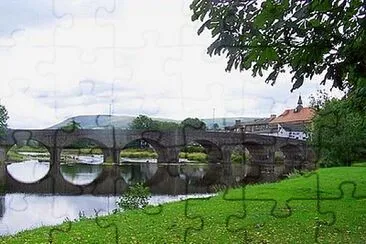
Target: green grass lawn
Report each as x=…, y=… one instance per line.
x=283, y=212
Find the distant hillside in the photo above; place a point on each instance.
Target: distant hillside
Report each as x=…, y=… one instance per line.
x=122, y=122
x=100, y=121
x=97, y=121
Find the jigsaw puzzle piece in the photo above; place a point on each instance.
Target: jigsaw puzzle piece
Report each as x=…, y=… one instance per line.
x=343, y=193
x=75, y=88
x=79, y=18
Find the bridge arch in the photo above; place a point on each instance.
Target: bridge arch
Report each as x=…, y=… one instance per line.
x=150, y=148
x=294, y=156
x=213, y=151
x=84, y=149
x=19, y=155
x=164, y=154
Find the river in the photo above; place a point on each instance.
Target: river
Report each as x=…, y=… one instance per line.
x=167, y=182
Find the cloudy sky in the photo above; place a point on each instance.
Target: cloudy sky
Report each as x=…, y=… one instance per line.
x=65, y=58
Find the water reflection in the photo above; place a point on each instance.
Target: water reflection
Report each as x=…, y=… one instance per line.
x=29, y=171
x=51, y=210
x=47, y=201
x=86, y=159
x=81, y=174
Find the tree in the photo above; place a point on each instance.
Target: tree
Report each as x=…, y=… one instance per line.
x=166, y=125
x=143, y=122
x=308, y=37
x=338, y=133
x=194, y=123
x=71, y=126
x=3, y=120
x=317, y=102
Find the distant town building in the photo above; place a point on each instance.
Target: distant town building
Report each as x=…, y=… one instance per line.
x=292, y=122
x=256, y=126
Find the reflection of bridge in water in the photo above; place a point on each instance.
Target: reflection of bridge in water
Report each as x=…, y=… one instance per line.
x=218, y=146
x=114, y=179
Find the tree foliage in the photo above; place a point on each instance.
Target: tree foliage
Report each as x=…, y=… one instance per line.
x=194, y=123
x=317, y=102
x=71, y=126
x=308, y=37
x=3, y=120
x=338, y=133
x=143, y=122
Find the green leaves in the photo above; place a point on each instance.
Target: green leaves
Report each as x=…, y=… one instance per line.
x=3, y=118
x=308, y=37
x=338, y=132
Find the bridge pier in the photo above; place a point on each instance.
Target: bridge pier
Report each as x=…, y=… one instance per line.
x=310, y=159
x=226, y=152
x=2, y=175
x=168, y=155
x=55, y=160
x=298, y=158
x=262, y=163
x=2, y=154
x=111, y=155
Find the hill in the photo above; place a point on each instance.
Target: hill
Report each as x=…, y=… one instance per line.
x=101, y=121
x=122, y=122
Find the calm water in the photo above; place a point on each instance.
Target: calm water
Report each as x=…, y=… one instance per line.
x=19, y=211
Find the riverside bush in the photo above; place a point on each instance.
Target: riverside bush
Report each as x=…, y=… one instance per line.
x=137, y=196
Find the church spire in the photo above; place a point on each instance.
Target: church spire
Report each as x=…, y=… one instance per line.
x=299, y=104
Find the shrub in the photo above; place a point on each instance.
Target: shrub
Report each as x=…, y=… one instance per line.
x=137, y=196
x=297, y=173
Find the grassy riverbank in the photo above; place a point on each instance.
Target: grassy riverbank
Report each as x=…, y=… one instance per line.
x=283, y=212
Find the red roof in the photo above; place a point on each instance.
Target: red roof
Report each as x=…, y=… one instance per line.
x=290, y=116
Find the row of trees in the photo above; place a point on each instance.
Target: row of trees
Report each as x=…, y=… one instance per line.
x=143, y=122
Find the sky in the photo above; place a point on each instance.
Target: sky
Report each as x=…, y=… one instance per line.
x=61, y=59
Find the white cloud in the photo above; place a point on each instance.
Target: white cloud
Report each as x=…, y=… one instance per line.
x=141, y=57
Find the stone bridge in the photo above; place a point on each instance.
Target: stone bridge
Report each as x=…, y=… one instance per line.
x=218, y=146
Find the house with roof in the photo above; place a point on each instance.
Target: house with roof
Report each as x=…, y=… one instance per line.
x=259, y=126
x=292, y=122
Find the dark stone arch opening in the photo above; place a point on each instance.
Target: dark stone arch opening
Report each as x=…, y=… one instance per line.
x=210, y=152
x=293, y=157
x=83, y=150
x=258, y=156
x=81, y=161
x=140, y=158
x=240, y=155
x=193, y=152
x=27, y=161
x=140, y=150
x=257, y=152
